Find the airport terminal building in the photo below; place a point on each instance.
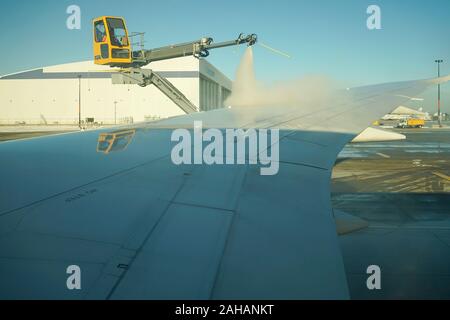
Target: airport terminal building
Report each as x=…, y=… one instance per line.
x=52, y=95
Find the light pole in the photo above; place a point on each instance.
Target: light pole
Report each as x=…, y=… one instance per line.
x=115, y=112
x=439, y=61
x=79, y=101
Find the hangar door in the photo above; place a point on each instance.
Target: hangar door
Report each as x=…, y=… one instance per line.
x=212, y=95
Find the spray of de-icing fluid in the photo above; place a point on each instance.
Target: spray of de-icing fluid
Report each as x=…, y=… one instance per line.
x=248, y=92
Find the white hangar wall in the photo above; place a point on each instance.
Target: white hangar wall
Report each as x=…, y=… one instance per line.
x=50, y=95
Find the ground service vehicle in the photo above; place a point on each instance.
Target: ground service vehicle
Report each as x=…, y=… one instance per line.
x=113, y=46
x=411, y=123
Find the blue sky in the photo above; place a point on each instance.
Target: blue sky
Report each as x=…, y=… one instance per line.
x=327, y=37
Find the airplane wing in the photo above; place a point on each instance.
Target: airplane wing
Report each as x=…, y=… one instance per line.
x=140, y=227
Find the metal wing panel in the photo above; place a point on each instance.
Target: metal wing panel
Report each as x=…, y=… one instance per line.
x=180, y=258
x=101, y=232
x=261, y=233
x=37, y=169
x=275, y=248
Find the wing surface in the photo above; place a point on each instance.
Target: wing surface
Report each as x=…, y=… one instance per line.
x=113, y=203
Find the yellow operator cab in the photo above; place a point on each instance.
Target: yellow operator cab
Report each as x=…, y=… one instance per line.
x=111, y=43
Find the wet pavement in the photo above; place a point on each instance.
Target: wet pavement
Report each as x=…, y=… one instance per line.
x=402, y=189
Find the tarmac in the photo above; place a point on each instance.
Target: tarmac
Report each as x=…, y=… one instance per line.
x=8, y=132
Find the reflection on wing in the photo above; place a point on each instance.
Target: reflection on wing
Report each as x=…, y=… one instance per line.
x=115, y=141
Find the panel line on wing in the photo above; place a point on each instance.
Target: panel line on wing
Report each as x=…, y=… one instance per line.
x=139, y=250
x=202, y=206
x=82, y=186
